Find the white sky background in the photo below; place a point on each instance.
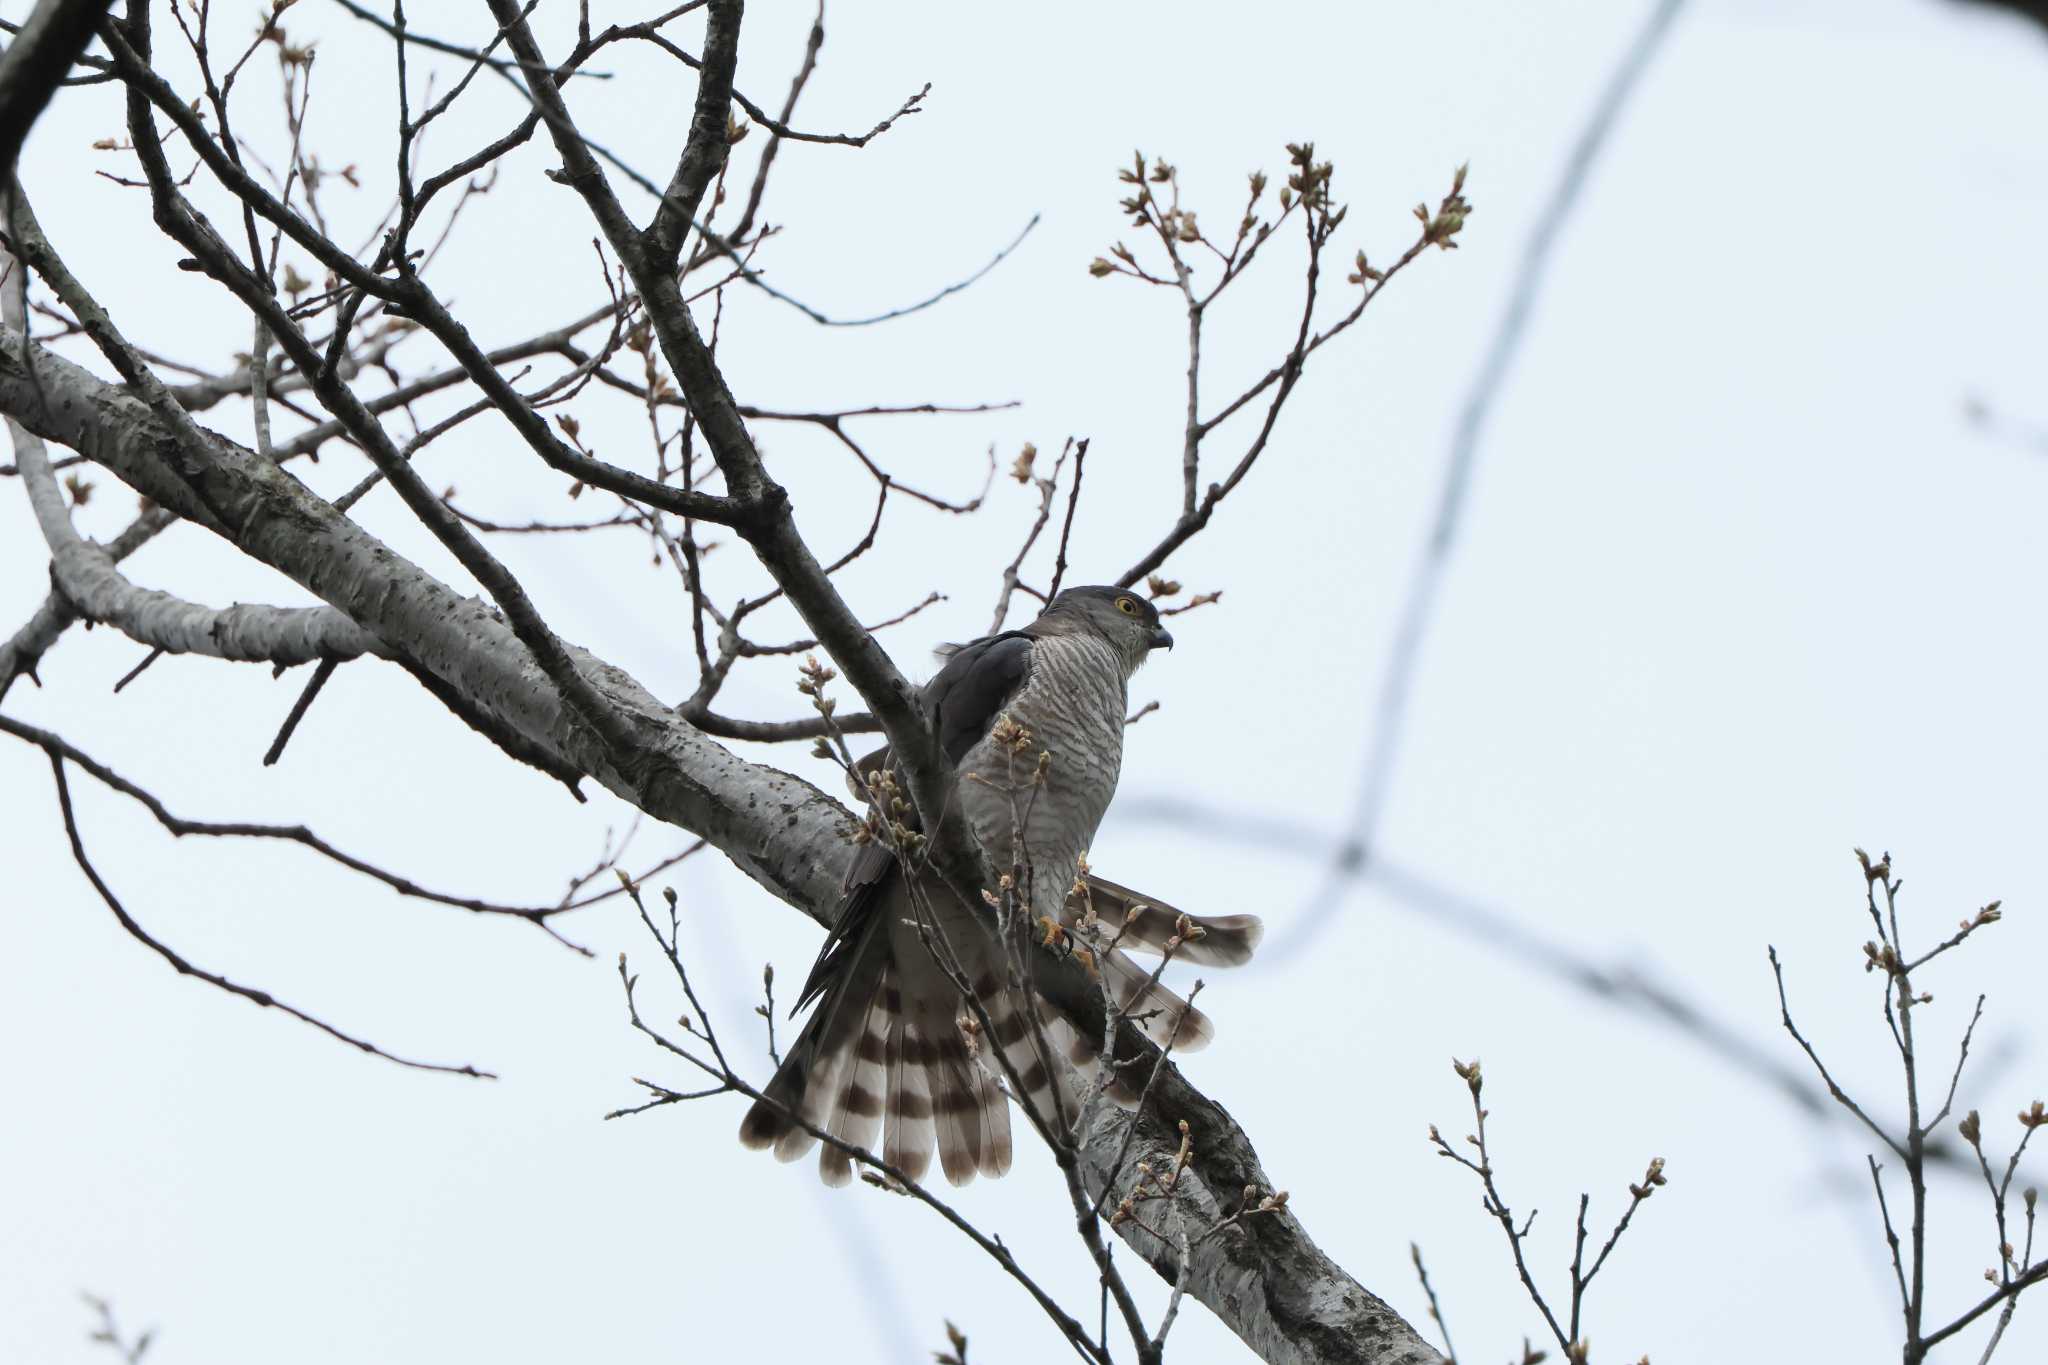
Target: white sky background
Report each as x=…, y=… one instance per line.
x=1738, y=588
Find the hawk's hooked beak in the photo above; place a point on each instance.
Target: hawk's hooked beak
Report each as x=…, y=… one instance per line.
x=1162, y=638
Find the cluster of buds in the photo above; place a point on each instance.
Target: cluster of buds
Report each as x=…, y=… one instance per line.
x=889, y=810
x=289, y=53
x=811, y=681
x=1275, y=1202
x=1257, y=180
x=1184, y=929
x=1309, y=181
x=1652, y=1178
x=1468, y=1072
x=1140, y=204
x=1440, y=228
x=1008, y=733
x=1878, y=871
x=1087, y=924
x=1126, y=1208
x=1307, y=186
x=1066, y=942
x=1152, y=1184
x=1020, y=469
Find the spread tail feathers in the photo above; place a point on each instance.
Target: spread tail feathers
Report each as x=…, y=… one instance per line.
x=1215, y=940
x=862, y=1066
x=883, y=1063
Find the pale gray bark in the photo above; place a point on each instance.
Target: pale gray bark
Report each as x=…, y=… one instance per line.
x=1261, y=1274
x=88, y=582
x=26, y=647
x=1265, y=1278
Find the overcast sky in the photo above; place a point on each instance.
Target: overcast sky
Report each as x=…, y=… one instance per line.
x=1738, y=587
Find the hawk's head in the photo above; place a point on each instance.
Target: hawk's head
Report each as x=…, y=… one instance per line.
x=1119, y=615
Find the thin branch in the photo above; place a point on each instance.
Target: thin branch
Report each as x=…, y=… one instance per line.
x=1835, y=1092
x=157, y=652
x=1046, y=489
x=61, y=750
x=184, y=968
x=1059, y=567
x=1436, y=1312
x=1990, y=1301
x=321, y=673
x=754, y=277
x=478, y=55
x=1891, y=1238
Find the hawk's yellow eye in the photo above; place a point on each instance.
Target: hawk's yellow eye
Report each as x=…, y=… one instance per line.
x=1127, y=606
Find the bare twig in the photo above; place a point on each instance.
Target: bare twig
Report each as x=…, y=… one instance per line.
x=322, y=671
x=1436, y=1312
x=1571, y=1337
x=61, y=750
x=183, y=967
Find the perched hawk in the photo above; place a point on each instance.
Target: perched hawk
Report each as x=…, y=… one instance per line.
x=1033, y=722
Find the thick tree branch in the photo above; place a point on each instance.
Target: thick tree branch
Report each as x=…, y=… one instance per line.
x=25, y=649
x=533, y=693
x=680, y=777
x=1265, y=1278
x=41, y=55
x=93, y=588
x=84, y=575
